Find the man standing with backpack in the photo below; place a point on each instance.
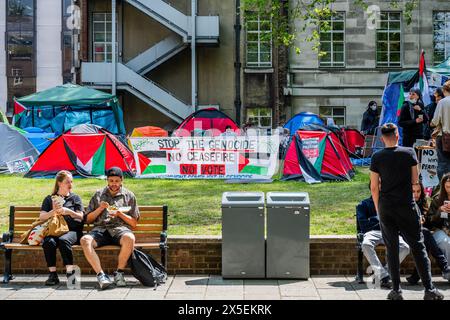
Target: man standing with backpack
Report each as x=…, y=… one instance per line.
x=396, y=169
x=111, y=226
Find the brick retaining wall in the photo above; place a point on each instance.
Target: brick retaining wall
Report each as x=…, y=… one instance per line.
x=329, y=255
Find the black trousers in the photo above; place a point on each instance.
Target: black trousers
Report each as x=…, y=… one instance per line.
x=434, y=250
x=404, y=220
x=64, y=243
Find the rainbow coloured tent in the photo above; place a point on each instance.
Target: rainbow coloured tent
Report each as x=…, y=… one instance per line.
x=203, y=120
x=316, y=156
x=87, y=151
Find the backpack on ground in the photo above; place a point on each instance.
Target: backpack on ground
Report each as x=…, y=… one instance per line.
x=146, y=269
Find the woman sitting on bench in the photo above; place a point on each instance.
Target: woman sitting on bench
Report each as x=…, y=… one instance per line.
x=62, y=202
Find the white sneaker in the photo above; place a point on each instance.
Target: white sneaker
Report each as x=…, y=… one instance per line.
x=104, y=281
x=119, y=279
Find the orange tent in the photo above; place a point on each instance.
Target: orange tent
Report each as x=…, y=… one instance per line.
x=149, y=132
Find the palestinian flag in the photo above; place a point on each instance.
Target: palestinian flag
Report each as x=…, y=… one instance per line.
x=18, y=109
x=254, y=163
x=423, y=81
x=156, y=162
x=88, y=153
x=401, y=100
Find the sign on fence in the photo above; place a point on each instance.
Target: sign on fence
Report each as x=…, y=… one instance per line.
x=230, y=157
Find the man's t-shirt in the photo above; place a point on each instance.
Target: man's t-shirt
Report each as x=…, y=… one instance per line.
x=72, y=202
x=394, y=167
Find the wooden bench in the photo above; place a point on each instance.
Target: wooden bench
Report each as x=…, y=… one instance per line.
x=150, y=233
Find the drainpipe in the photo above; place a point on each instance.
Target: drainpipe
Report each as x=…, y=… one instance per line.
x=237, y=63
x=113, y=46
x=193, y=55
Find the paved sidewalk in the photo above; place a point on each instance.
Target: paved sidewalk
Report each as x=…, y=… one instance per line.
x=212, y=287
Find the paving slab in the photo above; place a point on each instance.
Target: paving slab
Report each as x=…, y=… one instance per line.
x=195, y=287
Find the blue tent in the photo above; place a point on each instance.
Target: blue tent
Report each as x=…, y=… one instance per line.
x=39, y=138
x=301, y=120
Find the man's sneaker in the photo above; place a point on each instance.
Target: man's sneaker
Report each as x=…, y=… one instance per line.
x=395, y=295
x=413, y=279
x=52, y=279
x=386, y=283
x=104, y=281
x=119, y=279
x=433, y=295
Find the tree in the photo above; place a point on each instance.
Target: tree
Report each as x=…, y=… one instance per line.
x=314, y=14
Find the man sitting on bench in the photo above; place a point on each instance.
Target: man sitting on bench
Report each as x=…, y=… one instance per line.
x=111, y=226
x=369, y=224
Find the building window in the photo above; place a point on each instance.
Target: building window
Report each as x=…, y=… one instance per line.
x=20, y=49
x=260, y=117
x=389, y=45
x=69, y=36
x=335, y=113
x=102, y=37
x=441, y=36
x=20, y=15
x=332, y=42
x=258, y=41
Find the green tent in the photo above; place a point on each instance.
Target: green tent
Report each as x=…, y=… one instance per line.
x=62, y=107
x=442, y=68
x=67, y=94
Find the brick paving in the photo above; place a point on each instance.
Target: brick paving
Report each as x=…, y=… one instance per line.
x=212, y=287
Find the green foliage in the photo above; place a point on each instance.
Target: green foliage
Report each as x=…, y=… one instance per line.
x=311, y=15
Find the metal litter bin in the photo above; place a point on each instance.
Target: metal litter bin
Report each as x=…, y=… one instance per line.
x=288, y=235
x=243, y=243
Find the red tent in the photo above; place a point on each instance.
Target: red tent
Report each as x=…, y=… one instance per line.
x=353, y=139
x=316, y=156
x=203, y=120
x=87, y=151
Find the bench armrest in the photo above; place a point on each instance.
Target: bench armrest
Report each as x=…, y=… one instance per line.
x=7, y=237
x=163, y=240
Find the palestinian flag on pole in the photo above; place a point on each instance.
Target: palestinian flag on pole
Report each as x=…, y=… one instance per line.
x=423, y=82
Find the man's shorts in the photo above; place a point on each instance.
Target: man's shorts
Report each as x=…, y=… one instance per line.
x=104, y=238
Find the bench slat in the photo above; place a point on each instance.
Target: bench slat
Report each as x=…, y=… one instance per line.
x=29, y=221
x=77, y=247
x=35, y=214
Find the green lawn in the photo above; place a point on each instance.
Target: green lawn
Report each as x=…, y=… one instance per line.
x=194, y=206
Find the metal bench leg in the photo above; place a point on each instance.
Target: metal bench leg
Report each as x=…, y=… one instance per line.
x=7, y=276
x=164, y=258
x=359, y=272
